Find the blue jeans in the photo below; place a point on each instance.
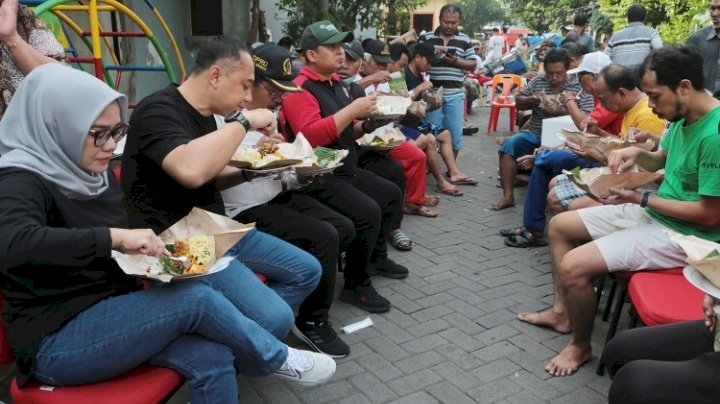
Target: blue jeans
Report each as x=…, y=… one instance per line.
x=520, y=144
x=185, y=325
x=548, y=164
x=291, y=272
x=450, y=117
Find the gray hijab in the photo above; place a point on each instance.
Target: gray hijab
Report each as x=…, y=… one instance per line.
x=47, y=121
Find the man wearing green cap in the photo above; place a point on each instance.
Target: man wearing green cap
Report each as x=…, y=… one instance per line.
x=298, y=219
x=327, y=117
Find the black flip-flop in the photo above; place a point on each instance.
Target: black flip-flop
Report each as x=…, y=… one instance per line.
x=525, y=240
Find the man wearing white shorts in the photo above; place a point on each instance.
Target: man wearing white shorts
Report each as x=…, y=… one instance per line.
x=585, y=244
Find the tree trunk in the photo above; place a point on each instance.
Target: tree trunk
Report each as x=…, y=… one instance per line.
x=255, y=22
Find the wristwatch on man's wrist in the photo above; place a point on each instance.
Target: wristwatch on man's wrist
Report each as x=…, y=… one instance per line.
x=238, y=116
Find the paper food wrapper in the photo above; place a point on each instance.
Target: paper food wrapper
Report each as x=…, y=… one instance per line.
x=301, y=149
x=390, y=134
x=598, y=181
x=599, y=147
x=550, y=103
x=702, y=254
x=391, y=105
x=224, y=231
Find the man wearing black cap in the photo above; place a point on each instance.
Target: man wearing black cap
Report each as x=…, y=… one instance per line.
x=325, y=115
x=297, y=219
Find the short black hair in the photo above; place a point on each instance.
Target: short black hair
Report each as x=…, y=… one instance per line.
x=673, y=64
x=397, y=49
x=286, y=41
x=556, y=55
x=215, y=50
x=496, y=29
x=636, y=13
x=573, y=49
x=580, y=19
x=617, y=77
x=450, y=8
x=548, y=44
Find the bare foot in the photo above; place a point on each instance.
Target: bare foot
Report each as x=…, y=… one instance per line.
x=504, y=203
x=547, y=318
x=431, y=200
x=569, y=360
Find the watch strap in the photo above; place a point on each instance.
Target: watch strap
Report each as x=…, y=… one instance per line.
x=644, y=200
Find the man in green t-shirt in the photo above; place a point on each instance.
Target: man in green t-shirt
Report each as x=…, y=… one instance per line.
x=586, y=244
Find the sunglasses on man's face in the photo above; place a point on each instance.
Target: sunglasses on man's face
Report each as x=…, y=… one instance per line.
x=101, y=136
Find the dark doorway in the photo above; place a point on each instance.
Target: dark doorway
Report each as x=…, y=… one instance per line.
x=422, y=22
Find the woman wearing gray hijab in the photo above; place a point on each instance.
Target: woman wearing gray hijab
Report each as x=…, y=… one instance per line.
x=72, y=315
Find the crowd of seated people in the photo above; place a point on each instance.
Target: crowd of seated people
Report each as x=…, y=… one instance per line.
x=65, y=210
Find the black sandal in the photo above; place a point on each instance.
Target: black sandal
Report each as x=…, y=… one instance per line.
x=525, y=240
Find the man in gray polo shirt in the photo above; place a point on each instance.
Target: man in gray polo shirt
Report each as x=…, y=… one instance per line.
x=629, y=46
x=707, y=40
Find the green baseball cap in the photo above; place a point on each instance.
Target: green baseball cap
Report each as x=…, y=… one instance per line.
x=323, y=33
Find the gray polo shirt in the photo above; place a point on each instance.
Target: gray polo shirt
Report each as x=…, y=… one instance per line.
x=709, y=45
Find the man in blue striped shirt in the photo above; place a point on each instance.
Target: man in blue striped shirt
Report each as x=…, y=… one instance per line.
x=458, y=56
x=550, y=83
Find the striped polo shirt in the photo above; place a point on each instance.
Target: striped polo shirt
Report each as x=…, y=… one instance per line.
x=539, y=84
x=629, y=46
x=444, y=75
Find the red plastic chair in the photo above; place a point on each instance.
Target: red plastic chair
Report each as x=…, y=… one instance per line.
x=144, y=384
x=665, y=298
x=504, y=100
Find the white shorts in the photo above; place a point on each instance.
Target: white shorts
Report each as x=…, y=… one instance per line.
x=645, y=246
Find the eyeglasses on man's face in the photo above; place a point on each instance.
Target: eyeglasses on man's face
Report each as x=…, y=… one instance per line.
x=274, y=92
x=102, y=135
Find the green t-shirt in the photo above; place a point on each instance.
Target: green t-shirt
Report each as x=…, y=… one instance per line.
x=692, y=169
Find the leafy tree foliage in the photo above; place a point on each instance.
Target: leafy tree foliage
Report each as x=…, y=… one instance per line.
x=674, y=19
x=346, y=14
x=478, y=13
x=547, y=15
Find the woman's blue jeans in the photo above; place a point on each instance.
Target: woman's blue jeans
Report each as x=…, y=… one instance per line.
x=202, y=328
x=186, y=326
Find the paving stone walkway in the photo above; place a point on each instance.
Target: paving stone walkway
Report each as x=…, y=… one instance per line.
x=452, y=336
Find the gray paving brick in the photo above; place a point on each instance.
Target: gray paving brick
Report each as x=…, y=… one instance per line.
x=429, y=327
x=523, y=398
x=467, y=310
x=416, y=363
x=380, y=367
x=498, y=333
x=424, y=344
x=458, y=356
x=495, y=370
x=355, y=399
x=495, y=318
x=582, y=395
x=532, y=347
x=276, y=393
x=495, y=391
x=392, y=331
x=445, y=392
x=459, y=377
x=373, y=388
x=431, y=313
x=463, y=323
x=403, y=304
x=414, y=382
x=537, y=386
x=434, y=300
x=328, y=392
x=501, y=349
x=387, y=348
x=420, y=397
x=461, y=339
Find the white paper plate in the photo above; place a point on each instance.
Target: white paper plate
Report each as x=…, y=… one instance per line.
x=700, y=281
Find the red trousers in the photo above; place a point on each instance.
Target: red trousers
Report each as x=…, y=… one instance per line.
x=413, y=161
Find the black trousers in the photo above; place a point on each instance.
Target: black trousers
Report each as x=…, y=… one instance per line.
x=306, y=223
x=372, y=203
x=388, y=168
x=668, y=363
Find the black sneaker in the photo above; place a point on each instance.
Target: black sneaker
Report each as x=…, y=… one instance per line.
x=321, y=337
x=388, y=268
x=366, y=298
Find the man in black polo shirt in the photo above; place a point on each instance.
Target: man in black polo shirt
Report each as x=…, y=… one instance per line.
x=174, y=153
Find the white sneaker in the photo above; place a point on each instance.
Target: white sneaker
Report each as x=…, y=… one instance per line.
x=306, y=368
